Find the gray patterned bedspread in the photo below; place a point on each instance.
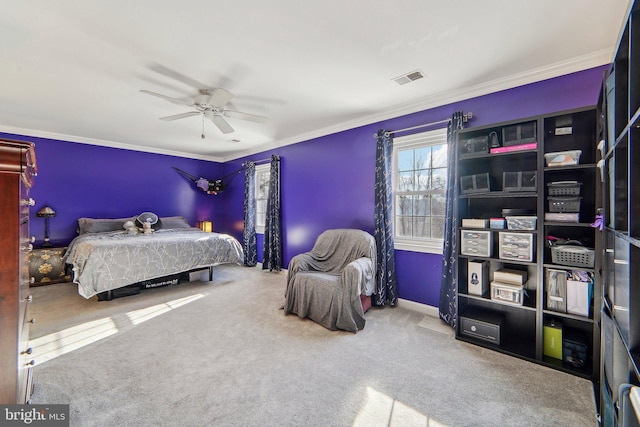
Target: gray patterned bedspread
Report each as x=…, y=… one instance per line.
x=111, y=260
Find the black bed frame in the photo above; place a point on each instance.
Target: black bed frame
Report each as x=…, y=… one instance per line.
x=133, y=289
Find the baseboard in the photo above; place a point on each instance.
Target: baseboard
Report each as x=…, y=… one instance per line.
x=429, y=310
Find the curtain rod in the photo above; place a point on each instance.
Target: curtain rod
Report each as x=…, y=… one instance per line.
x=257, y=161
x=466, y=117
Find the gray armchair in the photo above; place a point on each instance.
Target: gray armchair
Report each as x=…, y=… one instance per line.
x=330, y=283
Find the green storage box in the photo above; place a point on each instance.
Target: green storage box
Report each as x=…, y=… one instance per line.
x=552, y=333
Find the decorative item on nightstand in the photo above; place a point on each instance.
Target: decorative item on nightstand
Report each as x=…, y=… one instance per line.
x=47, y=213
x=46, y=266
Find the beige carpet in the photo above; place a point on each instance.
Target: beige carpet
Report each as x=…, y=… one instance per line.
x=223, y=354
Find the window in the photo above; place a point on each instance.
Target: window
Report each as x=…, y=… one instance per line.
x=262, y=192
x=419, y=190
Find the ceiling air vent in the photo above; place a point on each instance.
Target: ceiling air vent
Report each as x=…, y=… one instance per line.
x=409, y=77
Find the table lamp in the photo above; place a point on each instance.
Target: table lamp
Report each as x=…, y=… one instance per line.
x=47, y=213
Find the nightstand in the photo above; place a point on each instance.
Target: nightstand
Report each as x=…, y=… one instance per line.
x=46, y=266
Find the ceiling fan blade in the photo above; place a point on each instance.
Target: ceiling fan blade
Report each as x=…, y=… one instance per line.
x=221, y=123
x=219, y=97
x=181, y=116
x=245, y=116
x=168, y=98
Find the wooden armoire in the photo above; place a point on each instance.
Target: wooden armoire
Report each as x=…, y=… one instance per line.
x=17, y=171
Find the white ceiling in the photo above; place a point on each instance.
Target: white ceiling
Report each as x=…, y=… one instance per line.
x=73, y=70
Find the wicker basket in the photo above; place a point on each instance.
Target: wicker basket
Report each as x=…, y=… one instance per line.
x=576, y=256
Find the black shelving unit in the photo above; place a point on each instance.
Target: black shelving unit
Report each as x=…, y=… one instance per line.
x=522, y=330
x=620, y=121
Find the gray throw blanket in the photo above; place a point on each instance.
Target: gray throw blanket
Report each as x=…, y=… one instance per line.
x=325, y=284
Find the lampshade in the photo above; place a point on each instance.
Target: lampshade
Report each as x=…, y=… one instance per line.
x=206, y=226
x=46, y=212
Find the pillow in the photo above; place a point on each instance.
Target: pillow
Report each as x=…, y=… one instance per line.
x=99, y=225
x=174, y=222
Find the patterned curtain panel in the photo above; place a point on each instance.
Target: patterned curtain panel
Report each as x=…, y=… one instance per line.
x=272, y=254
x=386, y=281
x=249, y=234
x=448, y=285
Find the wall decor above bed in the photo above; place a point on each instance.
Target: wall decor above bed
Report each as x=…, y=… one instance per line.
x=207, y=185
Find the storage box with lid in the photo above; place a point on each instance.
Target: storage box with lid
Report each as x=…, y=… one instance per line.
x=521, y=222
x=507, y=293
x=563, y=158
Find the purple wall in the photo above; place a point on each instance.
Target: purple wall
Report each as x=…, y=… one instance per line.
x=328, y=182
x=81, y=180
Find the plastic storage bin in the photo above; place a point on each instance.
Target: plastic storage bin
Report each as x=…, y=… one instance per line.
x=564, y=188
x=521, y=222
x=508, y=293
x=564, y=204
x=476, y=243
x=576, y=256
x=516, y=246
x=563, y=158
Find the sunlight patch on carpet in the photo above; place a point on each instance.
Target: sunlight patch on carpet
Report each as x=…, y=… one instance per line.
x=59, y=343
x=383, y=410
x=142, y=315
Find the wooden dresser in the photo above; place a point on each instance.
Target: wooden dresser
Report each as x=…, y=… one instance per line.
x=17, y=170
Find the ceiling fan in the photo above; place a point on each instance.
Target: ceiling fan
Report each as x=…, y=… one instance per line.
x=210, y=104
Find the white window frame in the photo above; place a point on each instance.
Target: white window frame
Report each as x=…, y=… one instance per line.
x=418, y=140
x=261, y=217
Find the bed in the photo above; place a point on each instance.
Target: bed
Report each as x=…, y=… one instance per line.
x=105, y=257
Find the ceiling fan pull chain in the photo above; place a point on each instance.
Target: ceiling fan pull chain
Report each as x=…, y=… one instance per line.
x=202, y=136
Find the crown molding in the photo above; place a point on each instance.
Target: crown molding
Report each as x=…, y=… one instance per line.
x=594, y=59
x=580, y=63
x=104, y=143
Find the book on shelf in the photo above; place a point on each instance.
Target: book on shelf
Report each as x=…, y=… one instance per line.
x=510, y=148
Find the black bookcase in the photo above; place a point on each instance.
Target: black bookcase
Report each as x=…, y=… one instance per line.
x=518, y=177
x=620, y=148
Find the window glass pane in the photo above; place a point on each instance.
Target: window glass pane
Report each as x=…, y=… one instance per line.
x=421, y=205
x=423, y=179
x=405, y=160
x=420, y=177
x=262, y=185
x=421, y=227
x=439, y=181
x=403, y=226
x=437, y=204
x=404, y=205
x=405, y=181
x=437, y=227
x=439, y=156
x=422, y=158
